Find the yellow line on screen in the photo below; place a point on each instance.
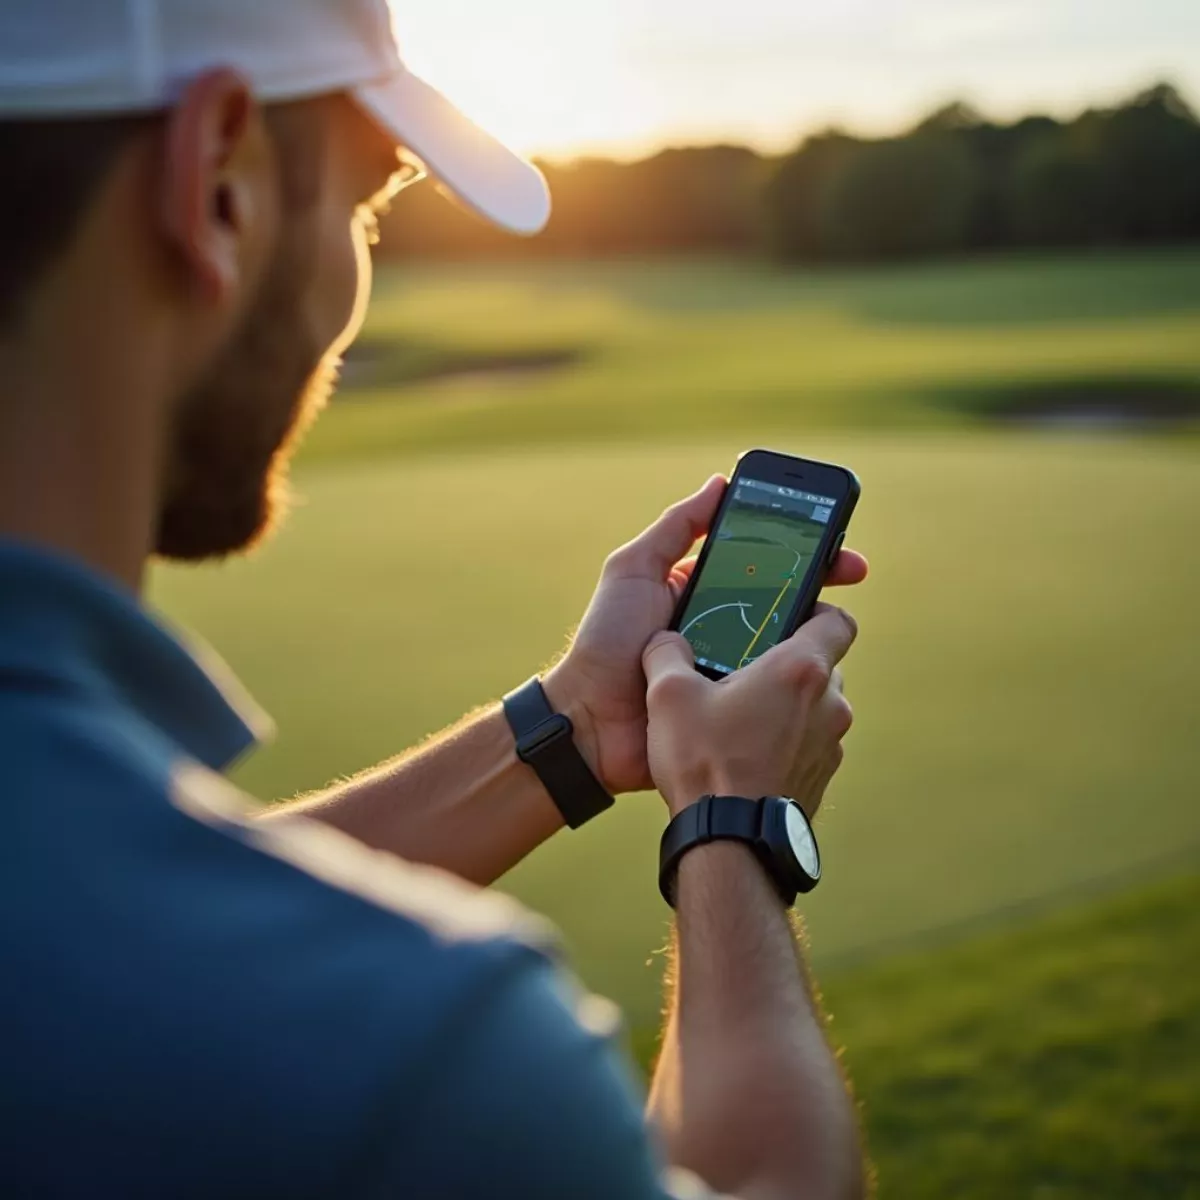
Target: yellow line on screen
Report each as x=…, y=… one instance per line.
x=778, y=601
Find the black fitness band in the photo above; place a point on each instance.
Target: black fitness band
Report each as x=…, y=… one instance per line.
x=710, y=819
x=545, y=741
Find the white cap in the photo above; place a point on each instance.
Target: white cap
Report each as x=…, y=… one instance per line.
x=72, y=58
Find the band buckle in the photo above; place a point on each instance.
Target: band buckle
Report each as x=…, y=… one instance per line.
x=544, y=735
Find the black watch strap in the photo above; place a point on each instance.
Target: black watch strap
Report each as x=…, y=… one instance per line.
x=713, y=818
x=545, y=741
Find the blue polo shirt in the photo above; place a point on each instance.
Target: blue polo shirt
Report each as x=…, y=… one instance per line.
x=195, y=1004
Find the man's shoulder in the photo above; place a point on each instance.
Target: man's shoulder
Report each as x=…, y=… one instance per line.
x=269, y=989
x=55, y=741
x=91, y=774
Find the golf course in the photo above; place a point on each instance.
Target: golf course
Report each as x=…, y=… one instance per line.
x=1008, y=934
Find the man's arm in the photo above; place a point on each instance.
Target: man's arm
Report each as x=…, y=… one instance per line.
x=747, y=1093
x=463, y=801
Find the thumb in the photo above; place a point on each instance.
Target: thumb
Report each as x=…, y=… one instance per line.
x=653, y=553
x=825, y=639
x=827, y=636
x=668, y=654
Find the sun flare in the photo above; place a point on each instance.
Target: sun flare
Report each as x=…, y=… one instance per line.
x=542, y=80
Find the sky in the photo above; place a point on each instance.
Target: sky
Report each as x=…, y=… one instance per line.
x=567, y=77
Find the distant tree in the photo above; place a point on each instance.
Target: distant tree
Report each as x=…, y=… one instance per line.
x=1056, y=193
x=700, y=199
x=796, y=195
x=955, y=182
x=901, y=199
x=1118, y=176
x=954, y=117
x=1149, y=155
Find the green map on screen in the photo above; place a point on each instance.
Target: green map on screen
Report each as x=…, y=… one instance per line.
x=757, y=565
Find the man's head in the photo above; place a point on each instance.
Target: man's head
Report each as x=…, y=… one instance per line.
x=228, y=223
x=239, y=418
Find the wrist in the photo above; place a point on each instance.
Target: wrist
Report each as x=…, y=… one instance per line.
x=690, y=789
x=566, y=692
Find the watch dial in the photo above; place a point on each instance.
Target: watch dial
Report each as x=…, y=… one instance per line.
x=804, y=845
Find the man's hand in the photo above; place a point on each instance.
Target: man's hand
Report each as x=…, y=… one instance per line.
x=600, y=682
x=774, y=728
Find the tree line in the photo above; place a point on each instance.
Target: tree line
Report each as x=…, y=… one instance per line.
x=955, y=183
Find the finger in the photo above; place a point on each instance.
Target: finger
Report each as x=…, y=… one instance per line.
x=810, y=657
x=826, y=636
x=837, y=715
x=653, y=553
x=821, y=642
x=850, y=568
x=668, y=656
x=681, y=575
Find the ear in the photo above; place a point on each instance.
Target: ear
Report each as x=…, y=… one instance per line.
x=220, y=203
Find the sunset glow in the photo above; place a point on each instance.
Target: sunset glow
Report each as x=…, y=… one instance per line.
x=624, y=76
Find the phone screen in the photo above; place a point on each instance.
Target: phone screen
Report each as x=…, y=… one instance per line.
x=760, y=558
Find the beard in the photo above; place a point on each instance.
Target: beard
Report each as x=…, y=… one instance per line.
x=226, y=483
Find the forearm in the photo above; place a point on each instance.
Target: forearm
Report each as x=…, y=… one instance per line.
x=463, y=801
x=748, y=1093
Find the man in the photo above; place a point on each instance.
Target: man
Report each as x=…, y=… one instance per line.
x=198, y=1004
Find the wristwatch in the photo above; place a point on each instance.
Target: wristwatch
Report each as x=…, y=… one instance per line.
x=774, y=827
x=546, y=742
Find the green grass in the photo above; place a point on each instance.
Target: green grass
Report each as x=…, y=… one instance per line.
x=1027, y=679
x=688, y=351
x=1059, y=1061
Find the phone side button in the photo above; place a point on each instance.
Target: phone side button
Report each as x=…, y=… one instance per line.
x=839, y=542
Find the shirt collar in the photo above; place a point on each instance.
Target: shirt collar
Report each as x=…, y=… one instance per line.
x=64, y=625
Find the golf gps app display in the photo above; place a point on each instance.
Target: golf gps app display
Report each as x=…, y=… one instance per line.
x=758, y=562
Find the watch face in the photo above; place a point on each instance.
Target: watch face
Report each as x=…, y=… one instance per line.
x=804, y=845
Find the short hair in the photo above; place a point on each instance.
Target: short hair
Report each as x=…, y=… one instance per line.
x=54, y=168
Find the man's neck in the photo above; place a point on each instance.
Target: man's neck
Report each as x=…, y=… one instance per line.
x=78, y=465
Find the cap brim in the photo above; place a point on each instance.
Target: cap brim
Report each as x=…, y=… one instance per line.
x=479, y=170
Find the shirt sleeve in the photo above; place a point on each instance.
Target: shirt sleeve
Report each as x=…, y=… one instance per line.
x=535, y=1100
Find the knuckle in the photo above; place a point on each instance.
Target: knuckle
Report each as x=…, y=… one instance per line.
x=659, y=642
x=811, y=674
x=618, y=560
x=850, y=623
x=680, y=523
x=669, y=690
x=843, y=718
x=675, y=530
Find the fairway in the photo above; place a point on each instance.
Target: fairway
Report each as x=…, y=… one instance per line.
x=692, y=352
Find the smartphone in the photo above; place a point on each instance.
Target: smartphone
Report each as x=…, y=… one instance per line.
x=778, y=531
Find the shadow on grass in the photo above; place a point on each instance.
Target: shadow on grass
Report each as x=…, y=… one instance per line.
x=1120, y=403
x=385, y=363
x=1007, y=290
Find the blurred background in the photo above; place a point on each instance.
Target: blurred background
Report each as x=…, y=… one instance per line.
x=955, y=246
